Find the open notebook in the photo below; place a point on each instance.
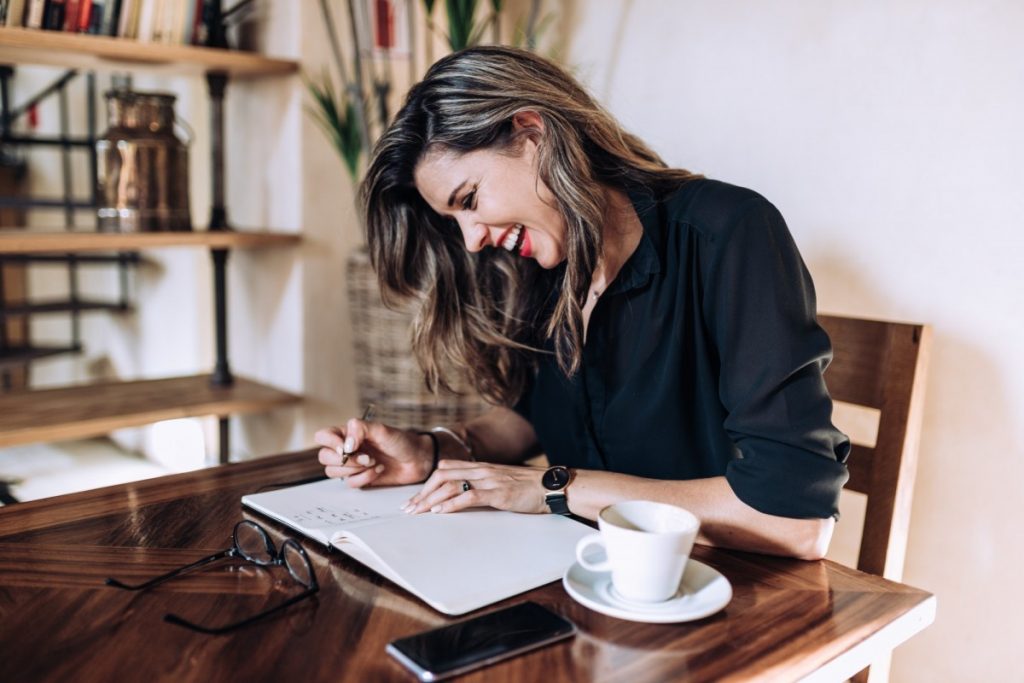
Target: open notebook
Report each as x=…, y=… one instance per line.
x=454, y=562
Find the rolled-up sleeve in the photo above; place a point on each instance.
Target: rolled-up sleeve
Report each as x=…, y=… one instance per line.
x=759, y=305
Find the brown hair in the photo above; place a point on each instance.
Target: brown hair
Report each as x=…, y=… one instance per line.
x=482, y=313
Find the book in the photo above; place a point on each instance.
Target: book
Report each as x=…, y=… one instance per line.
x=455, y=562
x=53, y=15
x=147, y=16
x=34, y=13
x=128, y=26
x=71, y=8
x=111, y=18
x=80, y=20
x=15, y=13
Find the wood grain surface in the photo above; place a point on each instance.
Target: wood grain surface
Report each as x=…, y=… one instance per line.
x=58, y=622
x=24, y=242
x=81, y=51
x=93, y=409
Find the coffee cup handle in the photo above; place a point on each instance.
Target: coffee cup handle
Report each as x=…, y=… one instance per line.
x=581, y=547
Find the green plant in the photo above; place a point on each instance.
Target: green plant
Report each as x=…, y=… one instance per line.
x=463, y=29
x=337, y=116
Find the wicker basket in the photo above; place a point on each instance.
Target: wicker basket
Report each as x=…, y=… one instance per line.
x=386, y=370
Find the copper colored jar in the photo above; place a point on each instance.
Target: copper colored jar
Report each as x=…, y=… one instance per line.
x=143, y=166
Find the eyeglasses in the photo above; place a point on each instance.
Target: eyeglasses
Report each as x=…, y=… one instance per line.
x=251, y=542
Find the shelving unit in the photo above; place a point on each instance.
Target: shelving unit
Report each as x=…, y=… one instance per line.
x=95, y=409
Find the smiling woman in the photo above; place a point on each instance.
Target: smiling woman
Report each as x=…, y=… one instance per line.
x=498, y=200
x=653, y=332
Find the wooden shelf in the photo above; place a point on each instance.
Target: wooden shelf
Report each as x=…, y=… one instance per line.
x=24, y=242
x=79, y=51
x=95, y=409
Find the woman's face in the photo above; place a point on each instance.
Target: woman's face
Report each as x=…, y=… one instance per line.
x=497, y=199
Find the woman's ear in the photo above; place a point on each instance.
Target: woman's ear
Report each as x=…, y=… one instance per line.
x=528, y=120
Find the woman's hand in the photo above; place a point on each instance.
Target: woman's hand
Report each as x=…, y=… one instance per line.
x=378, y=455
x=504, y=487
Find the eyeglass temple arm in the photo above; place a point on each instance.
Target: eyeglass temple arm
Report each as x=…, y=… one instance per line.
x=171, y=574
x=175, y=619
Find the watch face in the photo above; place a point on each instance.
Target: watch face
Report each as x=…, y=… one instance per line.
x=556, y=478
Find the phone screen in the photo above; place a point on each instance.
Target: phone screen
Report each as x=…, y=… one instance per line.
x=482, y=640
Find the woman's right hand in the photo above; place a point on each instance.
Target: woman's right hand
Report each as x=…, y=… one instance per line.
x=378, y=455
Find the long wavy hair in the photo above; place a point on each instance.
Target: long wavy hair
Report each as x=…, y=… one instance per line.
x=486, y=314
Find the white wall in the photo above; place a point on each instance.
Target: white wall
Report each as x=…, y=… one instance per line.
x=890, y=135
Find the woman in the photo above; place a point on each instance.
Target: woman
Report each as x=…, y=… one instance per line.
x=653, y=332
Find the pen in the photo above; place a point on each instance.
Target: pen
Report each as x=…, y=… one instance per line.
x=367, y=414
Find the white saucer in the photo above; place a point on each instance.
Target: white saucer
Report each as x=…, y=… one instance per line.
x=703, y=592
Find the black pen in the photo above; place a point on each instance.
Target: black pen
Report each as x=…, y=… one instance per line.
x=367, y=414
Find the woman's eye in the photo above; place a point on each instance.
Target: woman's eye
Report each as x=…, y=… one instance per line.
x=467, y=201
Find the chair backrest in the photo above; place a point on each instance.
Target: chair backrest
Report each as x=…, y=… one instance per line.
x=882, y=365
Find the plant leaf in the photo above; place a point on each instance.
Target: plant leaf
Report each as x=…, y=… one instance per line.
x=335, y=114
x=461, y=25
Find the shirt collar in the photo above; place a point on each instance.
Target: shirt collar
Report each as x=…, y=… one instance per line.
x=644, y=262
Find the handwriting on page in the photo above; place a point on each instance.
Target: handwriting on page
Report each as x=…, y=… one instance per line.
x=320, y=515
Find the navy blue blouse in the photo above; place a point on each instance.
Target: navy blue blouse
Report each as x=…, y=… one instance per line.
x=703, y=358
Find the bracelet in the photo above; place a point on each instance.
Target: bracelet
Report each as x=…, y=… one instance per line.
x=437, y=451
x=458, y=439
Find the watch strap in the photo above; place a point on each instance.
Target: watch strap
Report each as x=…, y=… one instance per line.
x=557, y=502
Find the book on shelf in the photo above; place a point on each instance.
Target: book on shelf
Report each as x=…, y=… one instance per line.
x=34, y=13
x=455, y=562
x=71, y=12
x=53, y=15
x=13, y=13
x=172, y=22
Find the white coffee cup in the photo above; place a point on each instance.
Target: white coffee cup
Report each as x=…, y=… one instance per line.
x=647, y=545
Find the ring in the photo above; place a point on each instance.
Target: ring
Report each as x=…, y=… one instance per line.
x=465, y=486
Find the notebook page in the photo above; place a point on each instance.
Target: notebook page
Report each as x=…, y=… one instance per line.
x=463, y=561
x=323, y=508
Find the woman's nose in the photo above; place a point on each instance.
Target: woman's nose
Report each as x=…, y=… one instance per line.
x=475, y=235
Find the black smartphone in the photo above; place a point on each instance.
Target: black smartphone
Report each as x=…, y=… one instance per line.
x=480, y=641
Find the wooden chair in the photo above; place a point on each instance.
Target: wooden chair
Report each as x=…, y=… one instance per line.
x=881, y=365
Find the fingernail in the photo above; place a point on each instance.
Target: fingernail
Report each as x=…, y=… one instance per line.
x=364, y=460
x=404, y=505
x=378, y=469
x=340, y=451
x=436, y=508
x=350, y=444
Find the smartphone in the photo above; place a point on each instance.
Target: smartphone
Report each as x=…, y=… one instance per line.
x=480, y=641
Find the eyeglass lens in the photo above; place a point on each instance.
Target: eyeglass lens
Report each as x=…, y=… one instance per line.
x=254, y=544
x=297, y=564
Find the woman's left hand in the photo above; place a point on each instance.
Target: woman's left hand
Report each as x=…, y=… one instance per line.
x=504, y=487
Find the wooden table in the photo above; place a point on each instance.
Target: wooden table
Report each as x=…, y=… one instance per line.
x=788, y=619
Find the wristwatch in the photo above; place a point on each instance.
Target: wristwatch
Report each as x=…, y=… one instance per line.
x=556, y=479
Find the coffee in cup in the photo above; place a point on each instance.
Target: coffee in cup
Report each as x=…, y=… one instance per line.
x=647, y=545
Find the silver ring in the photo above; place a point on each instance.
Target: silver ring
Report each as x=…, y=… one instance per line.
x=465, y=485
